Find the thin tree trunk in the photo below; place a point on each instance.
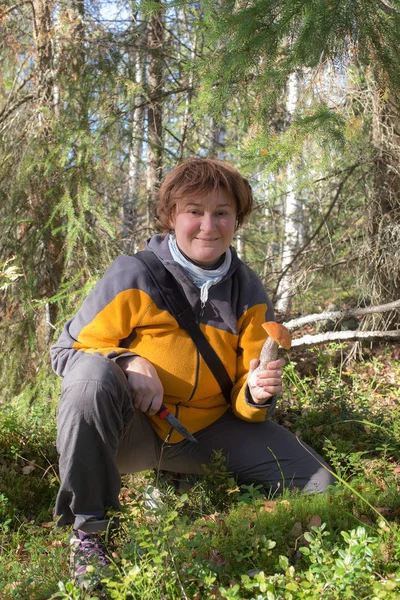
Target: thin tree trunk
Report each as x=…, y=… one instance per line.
x=39, y=207
x=292, y=209
x=217, y=145
x=155, y=36
x=188, y=76
x=241, y=246
x=384, y=216
x=42, y=23
x=130, y=235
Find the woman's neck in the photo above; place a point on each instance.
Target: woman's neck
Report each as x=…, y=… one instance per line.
x=210, y=268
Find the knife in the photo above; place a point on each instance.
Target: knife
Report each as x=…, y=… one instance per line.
x=164, y=413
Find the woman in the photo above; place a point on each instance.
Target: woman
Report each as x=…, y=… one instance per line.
x=124, y=354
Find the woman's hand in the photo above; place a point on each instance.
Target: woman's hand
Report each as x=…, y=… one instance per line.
x=268, y=381
x=145, y=384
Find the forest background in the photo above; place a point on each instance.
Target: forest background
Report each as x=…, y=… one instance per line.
x=100, y=99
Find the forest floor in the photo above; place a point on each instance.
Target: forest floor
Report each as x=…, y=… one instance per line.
x=216, y=540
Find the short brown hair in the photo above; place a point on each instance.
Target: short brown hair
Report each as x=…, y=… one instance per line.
x=202, y=175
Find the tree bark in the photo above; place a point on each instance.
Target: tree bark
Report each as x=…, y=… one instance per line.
x=292, y=214
x=42, y=23
x=130, y=235
x=39, y=207
x=342, y=314
x=345, y=336
x=384, y=210
x=155, y=37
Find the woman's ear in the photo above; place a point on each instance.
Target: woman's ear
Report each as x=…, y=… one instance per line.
x=171, y=219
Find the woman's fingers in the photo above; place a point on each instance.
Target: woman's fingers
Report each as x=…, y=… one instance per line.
x=146, y=387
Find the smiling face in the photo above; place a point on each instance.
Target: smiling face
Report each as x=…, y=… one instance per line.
x=204, y=227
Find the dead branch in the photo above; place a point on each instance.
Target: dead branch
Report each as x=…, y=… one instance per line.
x=349, y=172
x=344, y=336
x=162, y=95
x=387, y=7
x=5, y=11
x=342, y=314
x=4, y=115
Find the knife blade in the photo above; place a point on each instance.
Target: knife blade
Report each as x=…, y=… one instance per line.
x=164, y=413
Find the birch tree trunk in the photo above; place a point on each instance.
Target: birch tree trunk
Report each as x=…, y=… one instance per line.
x=155, y=37
x=292, y=212
x=130, y=235
x=241, y=246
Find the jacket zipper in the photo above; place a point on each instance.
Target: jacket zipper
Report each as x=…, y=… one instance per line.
x=196, y=379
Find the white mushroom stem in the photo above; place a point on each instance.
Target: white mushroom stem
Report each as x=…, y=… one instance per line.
x=269, y=352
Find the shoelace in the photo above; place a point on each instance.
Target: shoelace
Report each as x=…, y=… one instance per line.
x=90, y=546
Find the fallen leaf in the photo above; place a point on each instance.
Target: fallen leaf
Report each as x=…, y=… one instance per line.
x=217, y=559
x=315, y=521
x=48, y=525
x=297, y=530
x=384, y=510
x=29, y=468
x=365, y=519
x=270, y=505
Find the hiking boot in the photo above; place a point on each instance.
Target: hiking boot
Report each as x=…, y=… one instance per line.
x=89, y=560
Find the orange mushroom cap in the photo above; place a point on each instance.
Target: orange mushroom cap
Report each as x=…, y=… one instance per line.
x=279, y=333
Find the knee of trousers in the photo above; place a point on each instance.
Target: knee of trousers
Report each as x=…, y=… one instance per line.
x=92, y=378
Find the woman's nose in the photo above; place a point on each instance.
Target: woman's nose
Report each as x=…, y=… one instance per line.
x=207, y=222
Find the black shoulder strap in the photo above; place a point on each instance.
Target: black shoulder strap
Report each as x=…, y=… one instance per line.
x=179, y=307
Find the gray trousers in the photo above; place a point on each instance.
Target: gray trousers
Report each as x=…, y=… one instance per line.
x=100, y=436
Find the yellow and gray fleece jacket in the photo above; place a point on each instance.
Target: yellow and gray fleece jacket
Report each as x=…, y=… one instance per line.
x=124, y=314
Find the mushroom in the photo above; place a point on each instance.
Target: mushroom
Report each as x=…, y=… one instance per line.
x=278, y=335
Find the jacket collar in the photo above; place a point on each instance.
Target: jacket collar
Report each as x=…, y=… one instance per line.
x=159, y=245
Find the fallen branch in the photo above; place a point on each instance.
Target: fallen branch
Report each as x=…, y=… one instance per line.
x=332, y=336
x=342, y=314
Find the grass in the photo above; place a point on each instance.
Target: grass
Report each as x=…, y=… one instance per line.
x=214, y=540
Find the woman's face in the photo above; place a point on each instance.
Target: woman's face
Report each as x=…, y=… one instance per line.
x=205, y=226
